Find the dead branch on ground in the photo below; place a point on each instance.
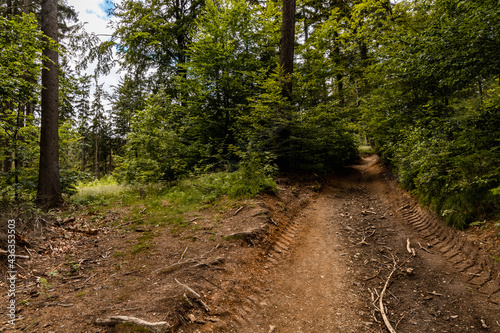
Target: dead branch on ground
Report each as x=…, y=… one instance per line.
x=381, y=298
x=363, y=241
x=409, y=248
x=157, y=327
x=195, y=294
x=180, y=263
x=15, y=255
x=238, y=210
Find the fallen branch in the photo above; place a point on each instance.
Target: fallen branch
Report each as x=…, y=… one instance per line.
x=180, y=263
x=409, y=248
x=130, y=222
x=85, y=282
x=238, y=210
x=381, y=299
x=83, y=230
x=195, y=294
x=15, y=255
x=157, y=327
x=363, y=241
x=216, y=261
x=182, y=255
x=423, y=248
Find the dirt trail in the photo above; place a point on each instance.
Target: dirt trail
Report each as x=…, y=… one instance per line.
x=327, y=269
x=290, y=262
x=310, y=291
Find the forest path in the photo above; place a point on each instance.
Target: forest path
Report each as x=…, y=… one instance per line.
x=327, y=270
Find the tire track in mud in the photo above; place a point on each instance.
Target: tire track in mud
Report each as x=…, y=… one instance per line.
x=481, y=271
x=277, y=245
x=357, y=221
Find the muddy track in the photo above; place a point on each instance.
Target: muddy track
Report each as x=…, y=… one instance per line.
x=479, y=269
x=322, y=269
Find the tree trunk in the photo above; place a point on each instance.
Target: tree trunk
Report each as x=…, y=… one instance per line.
x=49, y=183
x=282, y=133
x=287, y=45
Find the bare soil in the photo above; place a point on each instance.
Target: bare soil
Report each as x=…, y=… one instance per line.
x=315, y=257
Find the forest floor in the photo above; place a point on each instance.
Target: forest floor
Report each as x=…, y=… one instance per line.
x=321, y=255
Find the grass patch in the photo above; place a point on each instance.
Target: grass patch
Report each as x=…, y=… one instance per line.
x=100, y=192
x=365, y=150
x=161, y=204
x=143, y=242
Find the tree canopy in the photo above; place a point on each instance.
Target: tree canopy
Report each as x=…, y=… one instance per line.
x=205, y=88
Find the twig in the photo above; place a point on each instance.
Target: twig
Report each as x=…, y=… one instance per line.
x=85, y=282
x=363, y=241
x=423, y=248
x=374, y=276
x=435, y=293
x=55, y=268
x=15, y=255
x=381, y=298
x=19, y=266
x=185, y=262
x=28, y=251
x=195, y=294
x=176, y=265
x=238, y=210
x=212, y=283
x=409, y=248
x=194, y=219
x=182, y=255
x=130, y=222
x=404, y=314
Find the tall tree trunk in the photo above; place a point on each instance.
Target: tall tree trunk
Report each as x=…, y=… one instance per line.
x=97, y=165
x=287, y=45
x=82, y=163
x=287, y=41
x=49, y=183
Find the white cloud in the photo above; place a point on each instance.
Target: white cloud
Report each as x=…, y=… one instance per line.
x=92, y=12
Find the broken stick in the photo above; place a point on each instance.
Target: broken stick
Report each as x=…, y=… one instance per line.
x=238, y=210
x=16, y=255
x=409, y=248
x=381, y=298
x=157, y=327
x=195, y=294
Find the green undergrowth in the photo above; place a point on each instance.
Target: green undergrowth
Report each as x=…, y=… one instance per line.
x=366, y=150
x=155, y=205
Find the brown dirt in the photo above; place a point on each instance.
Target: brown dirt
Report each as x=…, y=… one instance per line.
x=299, y=261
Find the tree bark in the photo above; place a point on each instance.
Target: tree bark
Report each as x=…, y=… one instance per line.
x=287, y=45
x=49, y=184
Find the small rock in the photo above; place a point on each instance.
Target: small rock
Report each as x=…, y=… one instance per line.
x=141, y=229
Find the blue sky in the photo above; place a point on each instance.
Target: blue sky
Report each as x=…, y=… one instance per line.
x=95, y=14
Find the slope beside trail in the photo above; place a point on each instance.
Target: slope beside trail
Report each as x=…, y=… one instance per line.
x=327, y=269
